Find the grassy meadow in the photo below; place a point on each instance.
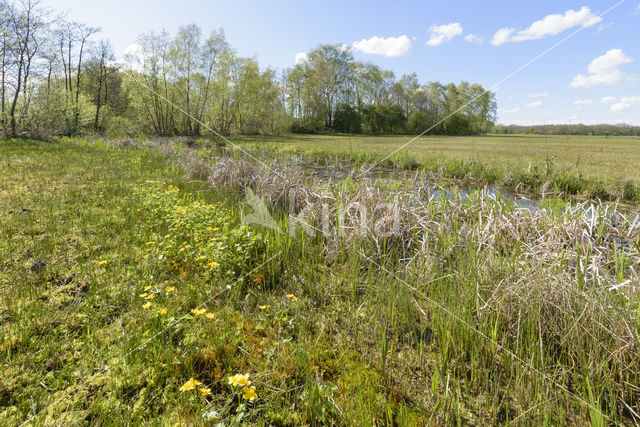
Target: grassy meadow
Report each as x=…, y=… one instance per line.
x=133, y=292
x=604, y=167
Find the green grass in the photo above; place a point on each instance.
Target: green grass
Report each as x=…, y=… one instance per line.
x=370, y=337
x=606, y=167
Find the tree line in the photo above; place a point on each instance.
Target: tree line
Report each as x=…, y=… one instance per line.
x=58, y=77
x=577, y=129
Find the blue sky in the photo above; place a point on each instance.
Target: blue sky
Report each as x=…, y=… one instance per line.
x=592, y=77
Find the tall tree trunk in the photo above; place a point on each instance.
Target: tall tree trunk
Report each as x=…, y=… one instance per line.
x=76, y=113
x=98, y=99
x=16, y=94
x=3, y=83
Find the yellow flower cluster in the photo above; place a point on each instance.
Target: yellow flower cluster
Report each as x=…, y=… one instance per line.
x=199, y=234
x=149, y=296
x=239, y=380
x=248, y=391
x=202, y=311
x=193, y=384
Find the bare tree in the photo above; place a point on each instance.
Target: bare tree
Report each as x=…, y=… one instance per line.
x=83, y=32
x=4, y=60
x=25, y=22
x=100, y=70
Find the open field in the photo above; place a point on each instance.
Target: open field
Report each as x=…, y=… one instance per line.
x=597, y=166
x=131, y=292
x=595, y=157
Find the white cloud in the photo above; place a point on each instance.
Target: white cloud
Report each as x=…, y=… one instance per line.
x=604, y=70
x=609, y=62
x=538, y=95
x=513, y=110
x=134, y=57
x=608, y=99
x=534, y=104
x=390, y=46
x=502, y=36
x=474, y=38
x=550, y=25
x=638, y=9
x=603, y=27
x=583, y=102
x=133, y=50
x=301, y=57
x=625, y=103
x=443, y=33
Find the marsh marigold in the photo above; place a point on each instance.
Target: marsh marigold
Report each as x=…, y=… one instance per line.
x=239, y=380
x=249, y=393
x=190, y=385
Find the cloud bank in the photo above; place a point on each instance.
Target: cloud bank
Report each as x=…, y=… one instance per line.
x=603, y=71
x=550, y=25
x=390, y=46
x=443, y=33
x=625, y=103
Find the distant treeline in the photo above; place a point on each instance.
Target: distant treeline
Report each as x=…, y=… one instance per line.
x=578, y=129
x=56, y=78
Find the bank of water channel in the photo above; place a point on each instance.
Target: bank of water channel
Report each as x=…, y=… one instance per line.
x=336, y=172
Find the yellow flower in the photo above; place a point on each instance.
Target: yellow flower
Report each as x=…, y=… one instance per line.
x=146, y=306
x=151, y=243
x=239, y=379
x=204, y=391
x=262, y=307
x=150, y=296
x=292, y=297
x=171, y=288
x=146, y=288
x=103, y=262
x=144, y=295
x=162, y=311
x=213, y=265
x=199, y=311
x=190, y=385
x=209, y=315
x=249, y=393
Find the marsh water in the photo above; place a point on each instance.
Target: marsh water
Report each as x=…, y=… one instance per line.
x=335, y=171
